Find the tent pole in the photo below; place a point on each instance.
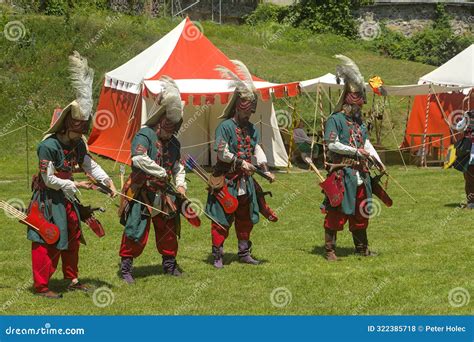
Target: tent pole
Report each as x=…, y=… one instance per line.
x=328, y=96
x=408, y=117
x=330, y=100
x=290, y=145
x=316, y=107
x=423, y=150
x=261, y=125
x=130, y=118
x=321, y=109
x=393, y=133
x=209, y=148
x=444, y=114
x=27, y=153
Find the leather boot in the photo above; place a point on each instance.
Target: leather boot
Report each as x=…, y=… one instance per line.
x=330, y=237
x=361, y=243
x=170, y=266
x=126, y=267
x=245, y=249
x=218, y=254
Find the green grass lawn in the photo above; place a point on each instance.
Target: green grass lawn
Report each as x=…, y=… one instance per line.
x=425, y=250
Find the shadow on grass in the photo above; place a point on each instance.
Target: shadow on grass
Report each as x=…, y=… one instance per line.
x=230, y=258
x=60, y=285
x=340, y=251
x=455, y=205
x=145, y=271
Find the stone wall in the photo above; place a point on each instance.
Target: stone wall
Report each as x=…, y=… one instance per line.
x=409, y=18
x=280, y=2
x=230, y=10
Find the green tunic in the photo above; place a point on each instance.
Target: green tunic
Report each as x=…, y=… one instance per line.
x=52, y=202
x=349, y=133
x=165, y=154
x=465, y=149
x=241, y=142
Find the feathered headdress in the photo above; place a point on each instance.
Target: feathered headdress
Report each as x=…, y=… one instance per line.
x=82, y=77
x=354, y=85
x=243, y=83
x=76, y=115
x=170, y=105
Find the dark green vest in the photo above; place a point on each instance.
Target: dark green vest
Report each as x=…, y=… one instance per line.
x=349, y=133
x=52, y=202
x=241, y=142
x=165, y=154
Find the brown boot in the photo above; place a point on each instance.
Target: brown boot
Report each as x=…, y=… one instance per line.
x=170, y=266
x=330, y=237
x=49, y=294
x=361, y=243
x=245, y=253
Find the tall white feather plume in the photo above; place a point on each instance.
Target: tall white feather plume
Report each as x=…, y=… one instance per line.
x=350, y=73
x=244, y=73
x=171, y=99
x=242, y=81
x=82, y=77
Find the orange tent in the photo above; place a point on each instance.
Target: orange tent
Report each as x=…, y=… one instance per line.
x=438, y=114
x=441, y=119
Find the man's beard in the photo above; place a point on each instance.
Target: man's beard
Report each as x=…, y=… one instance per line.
x=243, y=120
x=74, y=141
x=357, y=115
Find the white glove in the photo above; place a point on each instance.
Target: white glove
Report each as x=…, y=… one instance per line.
x=248, y=168
x=70, y=190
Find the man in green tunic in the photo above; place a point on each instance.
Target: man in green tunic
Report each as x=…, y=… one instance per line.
x=155, y=162
x=237, y=141
x=348, y=143
x=62, y=152
x=465, y=155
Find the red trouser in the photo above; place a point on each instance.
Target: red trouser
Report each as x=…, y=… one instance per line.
x=243, y=224
x=45, y=257
x=165, y=236
x=469, y=183
x=335, y=219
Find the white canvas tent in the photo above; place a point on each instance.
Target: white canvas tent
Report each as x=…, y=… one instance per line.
x=437, y=114
x=458, y=71
x=328, y=81
x=130, y=91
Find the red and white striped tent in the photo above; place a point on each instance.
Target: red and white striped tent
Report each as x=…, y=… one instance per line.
x=185, y=54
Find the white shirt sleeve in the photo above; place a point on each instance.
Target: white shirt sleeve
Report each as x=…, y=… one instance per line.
x=95, y=170
x=56, y=183
x=144, y=163
x=371, y=149
x=179, y=175
x=260, y=155
x=338, y=147
x=461, y=124
x=223, y=152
